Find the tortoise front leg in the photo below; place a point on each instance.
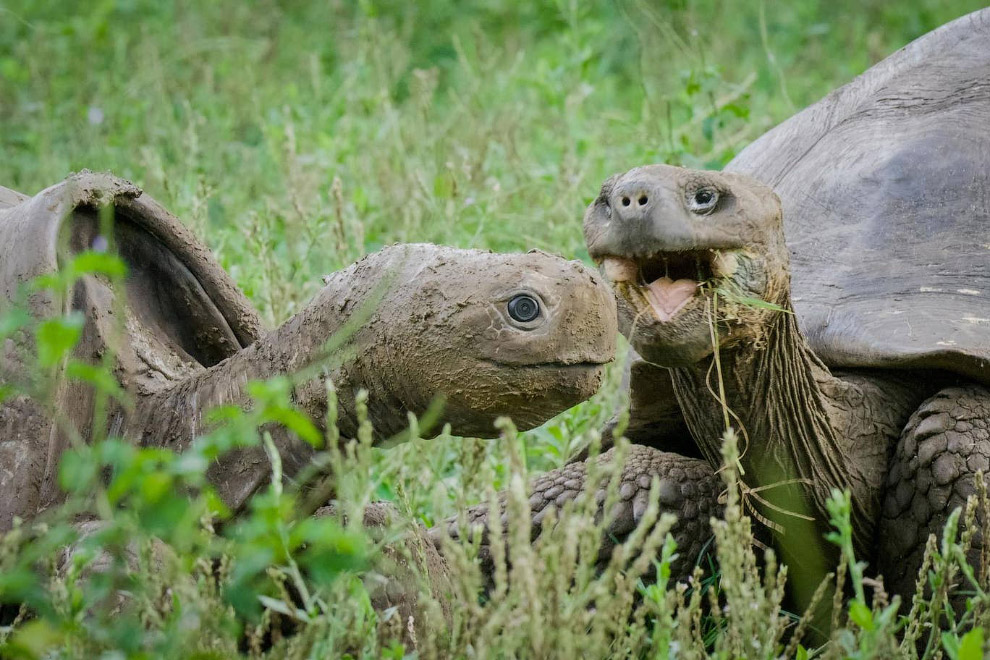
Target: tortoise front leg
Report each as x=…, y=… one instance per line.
x=689, y=489
x=932, y=472
x=406, y=568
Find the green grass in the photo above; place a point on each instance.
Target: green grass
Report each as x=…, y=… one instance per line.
x=296, y=136
x=473, y=124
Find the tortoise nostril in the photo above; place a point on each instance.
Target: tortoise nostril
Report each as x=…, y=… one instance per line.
x=643, y=199
x=625, y=201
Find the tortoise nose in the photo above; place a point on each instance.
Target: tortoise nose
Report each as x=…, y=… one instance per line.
x=631, y=200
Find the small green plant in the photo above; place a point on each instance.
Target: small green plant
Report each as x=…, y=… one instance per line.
x=295, y=137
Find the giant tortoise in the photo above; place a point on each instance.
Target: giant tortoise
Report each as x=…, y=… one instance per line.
x=876, y=383
x=525, y=335
x=854, y=356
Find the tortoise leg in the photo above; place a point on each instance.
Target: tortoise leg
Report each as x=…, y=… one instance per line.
x=688, y=488
x=932, y=471
x=407, y=569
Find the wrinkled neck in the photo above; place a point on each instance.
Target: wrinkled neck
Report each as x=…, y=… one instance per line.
x=775, y=396
x=323, y=342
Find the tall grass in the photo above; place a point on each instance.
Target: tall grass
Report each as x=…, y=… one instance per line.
x=295, y=137
x=154, y=575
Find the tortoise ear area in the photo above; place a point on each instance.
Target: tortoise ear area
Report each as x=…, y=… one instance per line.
x=608, y=185
x=742, y=185
x=772, y=211
x=752, y=200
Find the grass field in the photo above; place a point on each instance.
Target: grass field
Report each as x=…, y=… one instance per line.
x=482, y=125
x=296, y=136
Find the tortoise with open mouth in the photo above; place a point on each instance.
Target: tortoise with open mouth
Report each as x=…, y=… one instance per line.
x=670, y=275
x=856, y=355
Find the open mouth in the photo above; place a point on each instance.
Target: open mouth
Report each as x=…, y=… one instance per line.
x=668, y=281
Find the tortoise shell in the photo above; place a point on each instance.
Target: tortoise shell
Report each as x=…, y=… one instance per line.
x=885, y=186
x=175, y=288
x=179, y=312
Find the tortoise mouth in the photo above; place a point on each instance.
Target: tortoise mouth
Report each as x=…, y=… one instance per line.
x=563, y=365
x=665, y=283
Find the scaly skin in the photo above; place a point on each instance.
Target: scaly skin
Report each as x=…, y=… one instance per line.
x=933, y=469
x=689, y=488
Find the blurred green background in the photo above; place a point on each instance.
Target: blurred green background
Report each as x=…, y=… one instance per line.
x=295, y=136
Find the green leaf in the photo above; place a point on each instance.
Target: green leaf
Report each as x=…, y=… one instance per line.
x=155, y=486
x=13, y=320
x=757, y=302
x=98, y=376
x=802, y=653
x=951, y=645
x=34, y=640
x=971, y=646
x=56, y=337
x=215, y=505
x=51, y=281
x=861, y=615
x=749, y=301
x=299, y=424
x=280, y=607
x=98, y=262
x=77, y=470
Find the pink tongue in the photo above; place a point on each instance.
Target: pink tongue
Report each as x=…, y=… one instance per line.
x=667, y=297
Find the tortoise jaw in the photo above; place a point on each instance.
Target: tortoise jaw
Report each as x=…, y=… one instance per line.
x=665, y=283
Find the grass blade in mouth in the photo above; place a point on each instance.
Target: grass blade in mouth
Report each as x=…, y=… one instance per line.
x=730, y=292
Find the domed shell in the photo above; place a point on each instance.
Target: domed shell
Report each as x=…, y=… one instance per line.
x=174, y=286
x=885, y=185
x=177, y=312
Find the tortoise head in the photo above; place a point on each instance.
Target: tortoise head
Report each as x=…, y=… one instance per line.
x=522, y=335
x=683, y=247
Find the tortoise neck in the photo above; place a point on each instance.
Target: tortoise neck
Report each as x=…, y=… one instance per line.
x=335, y=339
x=776, y=394
x=310, y=348
x=326, y=341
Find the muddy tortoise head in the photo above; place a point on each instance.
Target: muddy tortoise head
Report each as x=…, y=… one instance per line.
x=523, y=335
x=683, y=247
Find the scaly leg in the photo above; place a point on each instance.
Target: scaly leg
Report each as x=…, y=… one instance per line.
x=688, y=488
x=932, y=472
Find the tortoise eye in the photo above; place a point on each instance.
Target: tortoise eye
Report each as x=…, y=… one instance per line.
x=703, y=200
x=523, y=308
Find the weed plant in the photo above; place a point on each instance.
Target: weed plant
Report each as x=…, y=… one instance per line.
x=143, y=560
x=295, y=137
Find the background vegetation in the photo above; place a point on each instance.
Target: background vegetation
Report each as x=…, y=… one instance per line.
x=297, y=136
x=477, y=124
